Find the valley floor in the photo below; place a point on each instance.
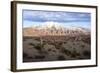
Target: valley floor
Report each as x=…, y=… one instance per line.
x=55, y=48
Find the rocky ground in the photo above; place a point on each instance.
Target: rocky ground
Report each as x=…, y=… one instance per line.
x=55, y=48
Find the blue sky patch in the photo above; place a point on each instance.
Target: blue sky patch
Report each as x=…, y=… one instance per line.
x=38, y=17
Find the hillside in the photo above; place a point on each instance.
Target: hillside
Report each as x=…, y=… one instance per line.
x=54, y=30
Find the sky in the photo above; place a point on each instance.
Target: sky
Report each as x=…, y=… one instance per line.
x=38, y=18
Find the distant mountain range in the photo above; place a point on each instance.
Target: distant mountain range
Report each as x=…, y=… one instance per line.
x=54, y=29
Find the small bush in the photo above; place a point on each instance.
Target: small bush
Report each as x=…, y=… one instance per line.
x=38, y=47
x=61, y=58
x=31, y=44
x=86, y=53
x=25, y=55
x=67, y=52
x=37, y=39
x=30, y=57
x=39, y=57
x=74, y=53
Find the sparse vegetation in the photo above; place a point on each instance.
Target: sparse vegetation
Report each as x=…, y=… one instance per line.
x=52, y=48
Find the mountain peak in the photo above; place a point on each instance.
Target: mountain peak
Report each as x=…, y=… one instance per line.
x=52, y=25
x=54, y=28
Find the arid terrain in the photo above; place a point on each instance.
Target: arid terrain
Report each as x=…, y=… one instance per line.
x=56, y=44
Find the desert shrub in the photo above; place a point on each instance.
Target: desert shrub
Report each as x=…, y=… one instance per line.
x=58, y=46
x=82, y=46
x=78, y=54
x=74, y=53
x=25, y=55
x=30, y=57
x=54, y=51
x=67, y=52
x=38, y=47
x=86, y=53
x=61, y=57
x=49, y=49
x=60, y=43
x=37, y=39
x=31, y=44
x=39, y=57
x=44, y=42
x=64, y=42
x=87, y=40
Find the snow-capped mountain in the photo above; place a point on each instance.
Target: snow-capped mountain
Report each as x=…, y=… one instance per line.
x=53, y=28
